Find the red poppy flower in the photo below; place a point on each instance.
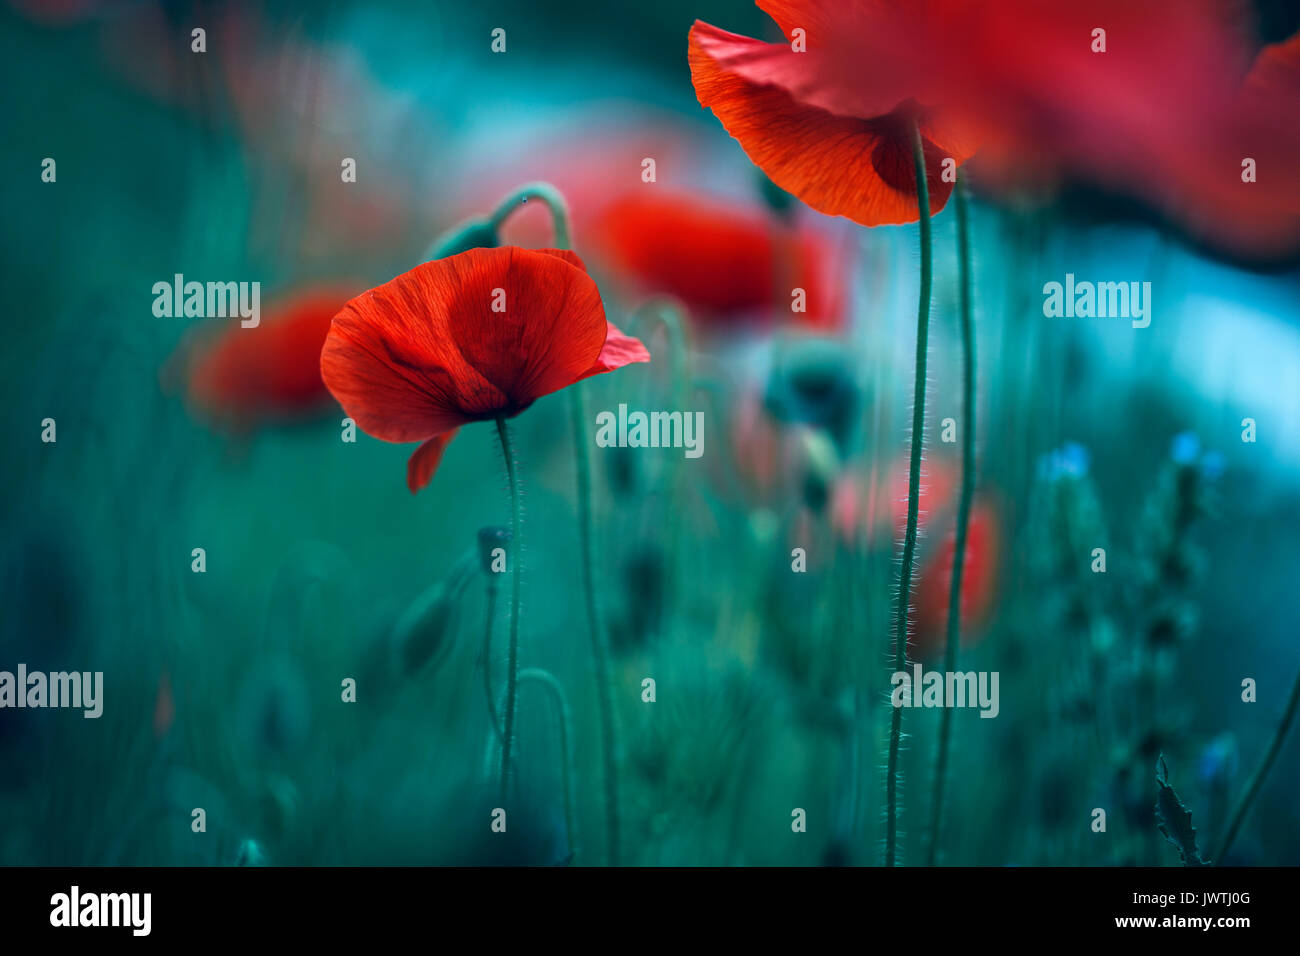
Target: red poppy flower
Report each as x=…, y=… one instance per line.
x=474, y=337
x=725, y=261
x=978, y=584
x=241, y=377
x=1259, y=218
x=807, y=118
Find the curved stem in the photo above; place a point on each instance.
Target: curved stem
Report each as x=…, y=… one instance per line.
x=671, y=314
x=1257, y=780
x=963, y=506
x=553, y=201
x=561, y=702
x=516, y=560
x=599, y=642
x=913, y=491
x=493, y=717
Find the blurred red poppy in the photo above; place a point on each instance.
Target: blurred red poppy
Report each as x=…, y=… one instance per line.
x=728, y=263
x=1242, y=192
x=803, y=114
x=884, y=522
x=269, y=374
x=474, y=337
x=1138, y=98
x=978, y=585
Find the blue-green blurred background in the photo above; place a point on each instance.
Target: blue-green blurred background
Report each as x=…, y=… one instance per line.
x=223, y=688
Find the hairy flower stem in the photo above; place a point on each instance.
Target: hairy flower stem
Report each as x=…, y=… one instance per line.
x=556, y=692
x=963, y=506
x=554, y=201
x=516, y=561
x=1257, y=780
x=550, y=197
x=913, y=493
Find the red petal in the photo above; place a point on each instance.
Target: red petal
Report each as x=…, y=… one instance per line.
x=828, y=74
x=842, y=166
x=421, y=465
x=426, y=352
x=618, y=350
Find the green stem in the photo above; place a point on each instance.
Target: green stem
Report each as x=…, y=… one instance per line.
x=913, y=492
x=599, y=642
x=1261, y=772
x=553, y=201
x=516, y=560
x=556, y=691
x=671, y=314
x=493, y=716
x=963, y=507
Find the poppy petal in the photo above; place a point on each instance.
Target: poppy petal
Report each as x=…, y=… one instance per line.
x=475, y=336
x=529, y=322
x=828, y=75
x=421, y=465
x=618, y=350
x=838, y=165
x=392, y=366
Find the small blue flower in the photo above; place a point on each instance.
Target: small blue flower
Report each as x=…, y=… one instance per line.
x=1071, y=460
x=1212, y=465
x=1186, y=448
x=1075, y=459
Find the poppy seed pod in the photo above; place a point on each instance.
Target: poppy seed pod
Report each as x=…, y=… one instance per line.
x=490, y=539
x=812, y=383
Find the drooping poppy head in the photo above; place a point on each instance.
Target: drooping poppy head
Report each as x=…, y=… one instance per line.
x=240, y=377
x=730, y=263
x=479, y=336
x=804, y=115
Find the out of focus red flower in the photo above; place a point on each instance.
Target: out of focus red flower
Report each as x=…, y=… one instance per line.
x=429, y=351
x=728, y=263
x=978, y=584
x=803, y=113
x=240, y=378
x=1262, y=217
x=852, y=507
x=593, y=161
x=1144, y=99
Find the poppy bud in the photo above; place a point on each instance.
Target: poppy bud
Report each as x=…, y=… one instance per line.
x=820, y=470
x=273, y=711
x=470, y=234
x=489, y=540
x=812, y=383
x=425, y=632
